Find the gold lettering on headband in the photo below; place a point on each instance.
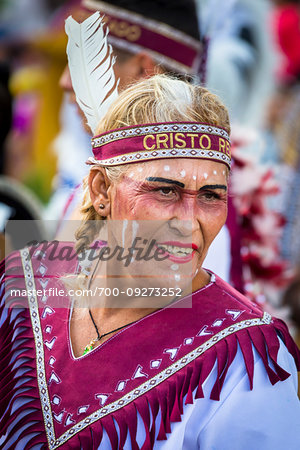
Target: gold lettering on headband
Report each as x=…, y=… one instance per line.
x=227, y=148
x=184, y=140
x=148, y=136
x=178, y=139
x=134, y=33
x=201, y=144
x=222, y=145
x=192, y=136
x=123, y=29
x=162, y=139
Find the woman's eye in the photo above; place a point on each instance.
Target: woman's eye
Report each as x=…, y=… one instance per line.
x=210, y=195
x=166, y=191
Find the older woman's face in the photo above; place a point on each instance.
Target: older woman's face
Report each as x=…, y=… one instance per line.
x=186, y=197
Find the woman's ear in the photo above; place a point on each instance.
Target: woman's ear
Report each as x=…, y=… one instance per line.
x=147, y=66
x=99, y=186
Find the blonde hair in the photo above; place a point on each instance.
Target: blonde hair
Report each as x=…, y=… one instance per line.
x=160, y=98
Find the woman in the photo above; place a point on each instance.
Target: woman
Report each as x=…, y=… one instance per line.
x=134, y=372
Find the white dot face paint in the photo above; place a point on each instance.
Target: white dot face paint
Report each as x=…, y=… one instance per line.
x=215, y=172
x=205, y=176
x=131, y=174
x=177, y=277
x=194, y=177
x=174, y=267
x=140, y=169
x=224, y=173
x=182, y=173
x=167, y=168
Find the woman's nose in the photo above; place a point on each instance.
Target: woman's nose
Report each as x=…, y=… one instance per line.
x=181, y=227
x=185, y=219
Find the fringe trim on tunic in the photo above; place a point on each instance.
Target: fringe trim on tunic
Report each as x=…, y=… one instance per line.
x=20, y=395
x=20, y=406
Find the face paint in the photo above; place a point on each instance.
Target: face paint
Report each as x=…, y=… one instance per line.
x=135, y=227
x=182, y=173
x=167, y=168
x=201, y=202
x=174, y=267
x=157, y=184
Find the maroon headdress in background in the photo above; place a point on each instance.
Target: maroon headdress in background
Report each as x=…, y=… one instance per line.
x=167, y=30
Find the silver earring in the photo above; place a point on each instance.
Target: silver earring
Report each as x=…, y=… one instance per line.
x=101, y=206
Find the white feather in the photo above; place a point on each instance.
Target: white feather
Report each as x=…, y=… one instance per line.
x=91, y=67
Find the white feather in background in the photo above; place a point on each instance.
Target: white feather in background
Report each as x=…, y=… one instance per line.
x=91, y=67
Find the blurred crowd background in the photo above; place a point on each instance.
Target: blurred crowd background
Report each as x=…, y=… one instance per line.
x=253, y=65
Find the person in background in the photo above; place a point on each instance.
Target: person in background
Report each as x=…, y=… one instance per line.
x=239, y=70
x=240, y=57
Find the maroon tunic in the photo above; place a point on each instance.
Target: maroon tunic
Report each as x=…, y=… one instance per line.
x=155, y=362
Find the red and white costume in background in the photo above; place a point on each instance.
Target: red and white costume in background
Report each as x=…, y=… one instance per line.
x=219, y=374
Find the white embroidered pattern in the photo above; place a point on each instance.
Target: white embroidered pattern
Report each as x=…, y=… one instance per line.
x=132, y=395
x=50, y=344
x=234, y=313
x=161, y=154
x=38, y=338
x=56, y=399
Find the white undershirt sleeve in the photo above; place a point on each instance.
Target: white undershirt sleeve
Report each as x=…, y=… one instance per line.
x=267, y=418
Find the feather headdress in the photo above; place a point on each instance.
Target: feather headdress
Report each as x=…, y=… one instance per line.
x=91, y=67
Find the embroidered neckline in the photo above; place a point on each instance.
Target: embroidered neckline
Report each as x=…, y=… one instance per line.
x=70, y=346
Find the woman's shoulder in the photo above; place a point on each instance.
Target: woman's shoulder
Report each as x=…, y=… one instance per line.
x=54, y=255
x=227, y=313
x=33, y=267
x=223, y=297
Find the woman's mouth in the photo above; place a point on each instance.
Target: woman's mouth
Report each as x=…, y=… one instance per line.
x=177, y=251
